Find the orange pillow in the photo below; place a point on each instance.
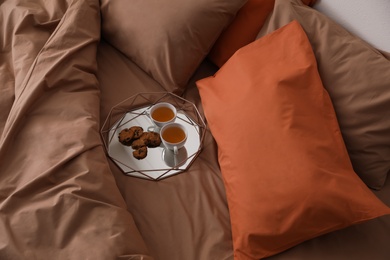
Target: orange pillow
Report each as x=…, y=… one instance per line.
x=309, y=2
x=286, y=170
x=243, y=30
x=357, y=79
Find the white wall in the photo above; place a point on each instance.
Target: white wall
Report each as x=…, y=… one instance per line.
x=368, y=19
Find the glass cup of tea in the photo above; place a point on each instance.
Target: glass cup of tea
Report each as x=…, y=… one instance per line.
x=161, y=114
x=173, y=136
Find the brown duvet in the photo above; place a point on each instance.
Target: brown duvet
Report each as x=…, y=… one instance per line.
x=58, y=197
x=61, y=197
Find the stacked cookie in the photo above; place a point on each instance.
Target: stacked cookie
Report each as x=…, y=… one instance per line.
x=139, y=140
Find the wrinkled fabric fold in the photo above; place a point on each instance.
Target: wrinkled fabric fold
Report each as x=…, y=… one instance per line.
x=58, y=198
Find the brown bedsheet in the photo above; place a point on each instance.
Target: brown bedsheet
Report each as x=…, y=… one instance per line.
x=62, y=198
x=186, y=216
x=180, y=217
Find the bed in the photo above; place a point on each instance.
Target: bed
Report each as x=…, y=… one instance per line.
x=295, y=152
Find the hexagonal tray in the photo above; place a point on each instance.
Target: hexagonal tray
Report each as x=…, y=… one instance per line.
x=160, y=162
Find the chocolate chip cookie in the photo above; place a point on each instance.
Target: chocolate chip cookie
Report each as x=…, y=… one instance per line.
x=153, y=139
x=126, y=136
x=140, y=153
